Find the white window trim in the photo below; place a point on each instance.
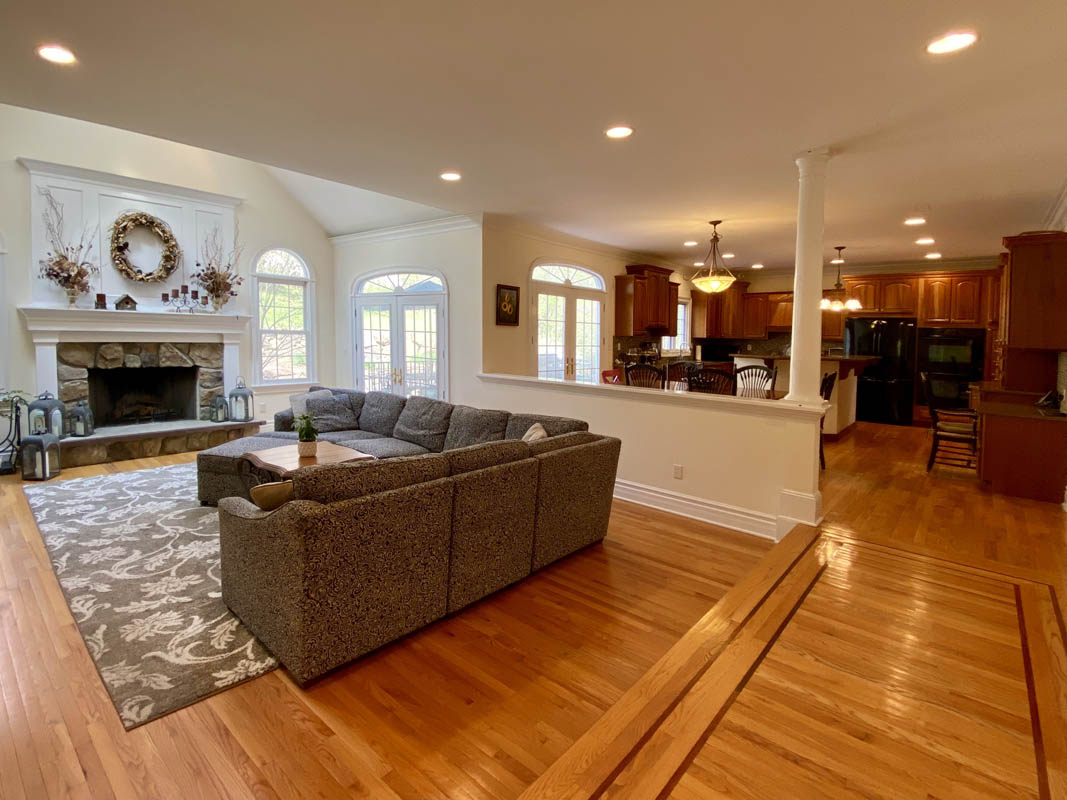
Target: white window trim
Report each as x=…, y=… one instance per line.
x=310, y=320
x=355, y=335
x=688, y=334
x=570, y=291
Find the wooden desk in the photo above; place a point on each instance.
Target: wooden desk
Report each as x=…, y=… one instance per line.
x=284, y=461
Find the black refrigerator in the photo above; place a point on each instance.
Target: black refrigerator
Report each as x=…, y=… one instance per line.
x=886, y=389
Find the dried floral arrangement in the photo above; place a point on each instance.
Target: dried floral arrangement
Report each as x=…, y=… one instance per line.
x=67, y=264
x=168, y=259
x=217, y=270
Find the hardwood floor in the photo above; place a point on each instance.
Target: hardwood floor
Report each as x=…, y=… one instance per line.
x=475, y=706
x=911, y=646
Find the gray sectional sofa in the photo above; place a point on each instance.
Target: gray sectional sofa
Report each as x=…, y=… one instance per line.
x=380, y=424
x=370, y=551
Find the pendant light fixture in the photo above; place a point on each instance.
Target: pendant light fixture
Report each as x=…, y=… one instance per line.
x=836, y=299
x=714, y=277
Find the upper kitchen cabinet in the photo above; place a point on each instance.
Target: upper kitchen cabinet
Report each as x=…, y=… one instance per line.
x=643, y=301
x=867, y=290
x=900, y=295
x=780, y=311
x=833, y=325
x=754, y=316
x=732, y=312
x=1036, y=291
x=952, y=300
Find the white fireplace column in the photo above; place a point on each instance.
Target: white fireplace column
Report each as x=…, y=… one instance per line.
x=231, y=362
x=805, y=355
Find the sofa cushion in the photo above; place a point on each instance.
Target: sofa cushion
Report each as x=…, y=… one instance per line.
x=224, y=457
x=559, y=442
x=520, y=423
x=386, y=447
x=344, y=437
x=331, y=483
x=424, y=422
x=380, y=412
x=332, y=413
x=469, y=426
x=487, y=454
x=289, y=437
x=298, y=402
x=281, y=435
x=354, y=397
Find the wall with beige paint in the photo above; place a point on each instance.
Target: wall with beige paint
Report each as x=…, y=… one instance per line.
x=268, y=217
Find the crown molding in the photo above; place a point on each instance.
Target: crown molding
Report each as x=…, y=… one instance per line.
x=1056, y=218
x=415, y=229
x=111, y=181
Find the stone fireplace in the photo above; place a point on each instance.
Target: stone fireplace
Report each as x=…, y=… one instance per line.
x=137, y=382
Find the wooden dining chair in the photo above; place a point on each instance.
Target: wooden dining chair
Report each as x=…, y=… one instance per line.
x=712, y=381
x=826, y=390
x=645, y=375
x=955, y=431
x=613, y=376
x=756, y=381
x=679, y=370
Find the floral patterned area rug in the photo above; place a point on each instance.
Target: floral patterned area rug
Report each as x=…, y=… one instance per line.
x=137, y=557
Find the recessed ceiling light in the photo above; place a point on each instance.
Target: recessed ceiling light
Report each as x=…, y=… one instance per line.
x=757, y=266
x=915, y=221
x=933, y=255
x=690, y=243
x=698, y=263
x=619, y=132
x=450, y=176
x=56, y=53
x=925, y=240
x=727, y=255
x=951, y=42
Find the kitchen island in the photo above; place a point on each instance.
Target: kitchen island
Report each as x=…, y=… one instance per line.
x=842, y=411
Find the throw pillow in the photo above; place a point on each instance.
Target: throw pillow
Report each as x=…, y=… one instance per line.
x=535, y=433
x=269, y=496
x=298, y=402
x=332, y=414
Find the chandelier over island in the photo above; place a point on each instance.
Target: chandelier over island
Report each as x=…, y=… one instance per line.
x=714, y=277
x=836, y=299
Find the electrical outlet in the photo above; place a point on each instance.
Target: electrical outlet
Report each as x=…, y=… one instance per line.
x=679, y=471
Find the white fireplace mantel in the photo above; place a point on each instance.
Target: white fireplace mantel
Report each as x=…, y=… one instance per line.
x=50, y=325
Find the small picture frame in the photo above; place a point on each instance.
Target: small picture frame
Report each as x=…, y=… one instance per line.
x=507, y=304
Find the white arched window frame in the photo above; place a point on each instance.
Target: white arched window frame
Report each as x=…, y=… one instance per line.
x=400, y=332
x=568, y=306
x=283, y=347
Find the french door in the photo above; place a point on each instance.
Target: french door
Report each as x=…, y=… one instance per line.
x=569, y=336
x=400, y=345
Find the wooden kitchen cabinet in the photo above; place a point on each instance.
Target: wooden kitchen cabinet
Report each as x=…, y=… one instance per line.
x=952, y=300
x=935, y=301
x=707, y=315
x=867, y=290
x=899, y=295
x=672, y=308
x=780, y=311
x=643, y=301
x=833, y=325
x=966, y=306
x=731, y=311
x=1036, y=286
x=754, y=316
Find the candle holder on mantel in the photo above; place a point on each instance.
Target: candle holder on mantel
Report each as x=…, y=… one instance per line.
x=184, y=300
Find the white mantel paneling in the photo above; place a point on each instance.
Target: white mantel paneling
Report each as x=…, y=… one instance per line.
x=96, y=199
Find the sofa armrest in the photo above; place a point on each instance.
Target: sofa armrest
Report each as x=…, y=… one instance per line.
x=283, y=420
x=242, y=509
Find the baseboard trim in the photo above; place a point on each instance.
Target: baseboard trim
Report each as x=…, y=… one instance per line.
x=745, y=520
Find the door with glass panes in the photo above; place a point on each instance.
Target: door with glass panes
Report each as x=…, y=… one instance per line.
x=569, y=334
x=400, y=345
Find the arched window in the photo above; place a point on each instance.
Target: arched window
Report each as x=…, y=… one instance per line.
x=401, y=330
x=569, y=304
x=284, y=341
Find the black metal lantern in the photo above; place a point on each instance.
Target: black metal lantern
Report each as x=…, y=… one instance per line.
x=220, y=409
x=40, y=457
x=48, y=415
x=241, y=402
x=81, y=420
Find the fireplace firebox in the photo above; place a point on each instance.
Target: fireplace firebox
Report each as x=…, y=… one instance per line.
x=129, y=395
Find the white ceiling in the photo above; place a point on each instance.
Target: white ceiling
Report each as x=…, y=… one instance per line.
x=340, y=208
x=516, y=95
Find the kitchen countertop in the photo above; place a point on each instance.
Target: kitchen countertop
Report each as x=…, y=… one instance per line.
x=1020, y=410
x=776, y=357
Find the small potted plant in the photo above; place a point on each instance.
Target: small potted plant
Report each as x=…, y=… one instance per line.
x=306, y=433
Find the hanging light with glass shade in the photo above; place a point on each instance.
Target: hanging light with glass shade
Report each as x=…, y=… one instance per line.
x=836, y=299
x=714, y=276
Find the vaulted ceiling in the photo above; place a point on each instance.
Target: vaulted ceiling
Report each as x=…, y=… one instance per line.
x=516, y=96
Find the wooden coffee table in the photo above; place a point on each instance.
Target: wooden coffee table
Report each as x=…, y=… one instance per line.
x=284, y=461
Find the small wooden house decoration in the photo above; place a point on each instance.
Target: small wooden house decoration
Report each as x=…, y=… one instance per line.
x=125, y=303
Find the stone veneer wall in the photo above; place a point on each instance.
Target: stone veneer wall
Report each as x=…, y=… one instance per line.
x=75, y=358
x=75, y=452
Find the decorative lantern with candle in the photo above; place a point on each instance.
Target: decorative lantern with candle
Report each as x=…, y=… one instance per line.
x=82, y=422
x=40, y=457
x=241, y=402
x=47, y=415
x=220, y=409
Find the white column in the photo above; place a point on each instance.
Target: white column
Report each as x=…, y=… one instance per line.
x=231, y=362
x=44, y=346
x=804, y=376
